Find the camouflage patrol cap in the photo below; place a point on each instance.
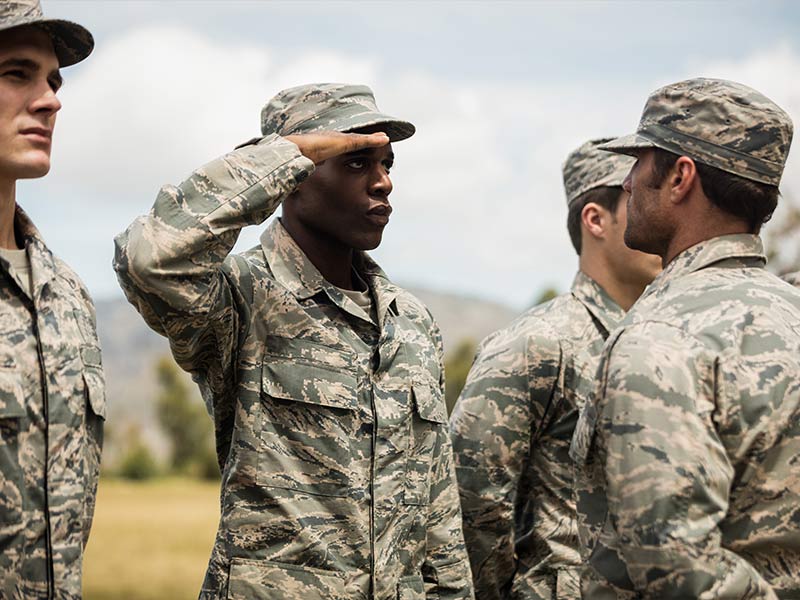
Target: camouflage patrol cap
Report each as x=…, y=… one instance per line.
x=328, y=107
x=716, y=122
x=71, y=42
x=588, y=167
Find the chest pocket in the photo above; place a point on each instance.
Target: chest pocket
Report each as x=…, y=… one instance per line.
x=311, y=422
x=12, y=413
x=428, y=419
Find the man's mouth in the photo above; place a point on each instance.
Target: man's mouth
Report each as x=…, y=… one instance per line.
x=38, y=134
x=379, y=214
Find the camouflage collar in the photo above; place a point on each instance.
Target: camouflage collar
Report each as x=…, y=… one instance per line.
x=589, y=293
x=709, y=252
x=296, y=273
x=42, y=264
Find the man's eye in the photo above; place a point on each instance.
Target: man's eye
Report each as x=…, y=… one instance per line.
x=356, y=163
x=16, y=74
x=388, y=166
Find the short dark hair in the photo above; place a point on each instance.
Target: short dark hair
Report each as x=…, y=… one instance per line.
x=606, y=196
x=744, y=198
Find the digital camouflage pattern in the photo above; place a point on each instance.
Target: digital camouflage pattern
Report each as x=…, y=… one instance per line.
x=328, y=107
x=716, y=122
x=71, y=42
x=338, y=480
x=688, y=479
x=511, y=431
x=52, y=408
x=587, y=167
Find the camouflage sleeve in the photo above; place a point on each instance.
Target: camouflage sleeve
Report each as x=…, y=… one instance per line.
x=505, y=397
x=446, y=569
x=171, y=262
x=667, y=472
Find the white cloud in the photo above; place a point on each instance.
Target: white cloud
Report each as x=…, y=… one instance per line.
x=478, y=196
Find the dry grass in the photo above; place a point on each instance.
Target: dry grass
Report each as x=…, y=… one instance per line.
x=150, y=541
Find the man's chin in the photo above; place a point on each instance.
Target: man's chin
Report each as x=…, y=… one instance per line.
x=32, y=169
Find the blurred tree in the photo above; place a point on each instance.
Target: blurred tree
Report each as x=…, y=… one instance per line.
x=138, y=461
x=186, y=423
x=545, y=295
x=782, y=237
x=456, y=368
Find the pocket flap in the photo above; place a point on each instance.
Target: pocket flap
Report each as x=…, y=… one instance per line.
x=267, y=579
x=12, y=397
x=430, y=405
x=96, y=390
x=288, y=380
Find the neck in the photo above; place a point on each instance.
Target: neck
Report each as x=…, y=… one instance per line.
x=624, y=293
x=331, y=258
x=8, y=194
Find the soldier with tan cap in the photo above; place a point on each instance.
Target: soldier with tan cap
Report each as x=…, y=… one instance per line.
x=688, y=478
x=513, y=423
x=52, y=396
x=324, y=379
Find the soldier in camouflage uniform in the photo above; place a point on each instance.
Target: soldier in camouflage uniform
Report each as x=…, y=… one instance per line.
x=688, y=480
x=323, y=378
x=512, y=426
x=52, y=397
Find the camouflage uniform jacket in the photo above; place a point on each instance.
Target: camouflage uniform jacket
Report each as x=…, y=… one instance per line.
x=52, y=408
x=338, y=480
x=689, y=452
x=511, y=431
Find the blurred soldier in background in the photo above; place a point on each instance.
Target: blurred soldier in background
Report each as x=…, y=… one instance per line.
x=325, y=380
x=52, y=395
x=514, y=420
x=688, y=480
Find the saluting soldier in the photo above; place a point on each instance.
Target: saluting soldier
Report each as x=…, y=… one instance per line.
x=688, y=474
x=513, y=423
x=323, y=378
x=52, y=393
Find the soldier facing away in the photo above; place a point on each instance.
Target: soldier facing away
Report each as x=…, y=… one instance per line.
x=323, y=378
x=688, y=479
x=52, y=392
x=513, y=423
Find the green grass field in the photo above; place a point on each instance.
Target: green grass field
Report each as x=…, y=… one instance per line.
x=150, y=541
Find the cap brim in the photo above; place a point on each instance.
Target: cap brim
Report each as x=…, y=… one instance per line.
x=71, y=42
x=396, y=129
x=628, y=144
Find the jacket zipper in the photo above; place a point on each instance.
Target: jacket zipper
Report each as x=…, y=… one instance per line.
x=51, y=592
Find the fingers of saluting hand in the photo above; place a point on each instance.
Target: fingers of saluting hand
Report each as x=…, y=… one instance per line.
x=322, y=145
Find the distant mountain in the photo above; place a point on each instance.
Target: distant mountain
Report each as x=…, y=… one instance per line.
x=131, y=349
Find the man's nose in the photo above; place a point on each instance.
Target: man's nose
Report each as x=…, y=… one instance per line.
x=382, y=184
x=46, y=101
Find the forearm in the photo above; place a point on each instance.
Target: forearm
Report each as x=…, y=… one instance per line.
x=173, y=255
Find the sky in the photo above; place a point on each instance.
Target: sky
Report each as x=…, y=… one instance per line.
x=500, y=93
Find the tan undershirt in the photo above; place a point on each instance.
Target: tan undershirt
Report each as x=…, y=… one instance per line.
x=21, y=264
x=362, y=299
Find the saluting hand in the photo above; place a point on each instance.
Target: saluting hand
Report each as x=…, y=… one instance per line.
x=323, y=145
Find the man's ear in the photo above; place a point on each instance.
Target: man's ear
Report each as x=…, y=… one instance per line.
x=594, y=220
x=682, y=179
